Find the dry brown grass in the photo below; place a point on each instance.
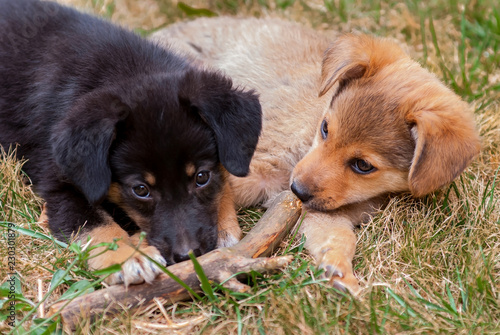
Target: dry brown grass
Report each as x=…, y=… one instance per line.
x=428, y=266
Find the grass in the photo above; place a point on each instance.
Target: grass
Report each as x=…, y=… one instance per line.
x=427, y=266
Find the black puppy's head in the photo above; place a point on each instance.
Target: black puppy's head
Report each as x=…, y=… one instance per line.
x=159, y=148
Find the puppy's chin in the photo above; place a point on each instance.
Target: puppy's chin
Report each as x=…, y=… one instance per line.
x=324, y=203
x=320, y=205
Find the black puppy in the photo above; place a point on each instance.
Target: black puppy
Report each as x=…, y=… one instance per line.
x=121, y=136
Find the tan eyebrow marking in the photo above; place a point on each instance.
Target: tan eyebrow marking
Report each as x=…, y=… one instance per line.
x=151, y=180
x=190, y=169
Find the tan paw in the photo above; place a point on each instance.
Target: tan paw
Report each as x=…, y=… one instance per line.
x=136, y=267
x=339, y=271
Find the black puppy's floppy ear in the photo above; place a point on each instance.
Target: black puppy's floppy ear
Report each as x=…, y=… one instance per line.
x=234, y=115
x=81, y=142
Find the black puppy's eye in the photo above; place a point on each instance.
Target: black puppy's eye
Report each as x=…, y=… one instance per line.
x=141, y=191
x=324, y=129
x=362, y=167
x=202, y=178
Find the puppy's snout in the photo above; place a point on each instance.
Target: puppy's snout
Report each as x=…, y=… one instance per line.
x=183, y=255
x=301, y=192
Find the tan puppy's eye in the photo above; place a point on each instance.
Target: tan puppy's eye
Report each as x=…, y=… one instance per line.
x=362, y=167
x=324, y=129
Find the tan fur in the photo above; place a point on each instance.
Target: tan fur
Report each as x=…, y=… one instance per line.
x=115, y=196
x=190, y=170
x=43, y=219
x=114, y=193
x=229, y=229
x=136, y=267
x=150, y=179
x=380, y=106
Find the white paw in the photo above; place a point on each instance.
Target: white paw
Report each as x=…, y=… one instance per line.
x=227, y=240
x=138, y=269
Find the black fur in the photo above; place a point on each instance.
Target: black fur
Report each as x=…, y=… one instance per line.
x=91, y=105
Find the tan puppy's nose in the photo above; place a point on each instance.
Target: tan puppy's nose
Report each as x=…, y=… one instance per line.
x=301, y=192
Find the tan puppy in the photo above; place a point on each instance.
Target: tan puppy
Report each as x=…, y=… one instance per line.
x=381, y=124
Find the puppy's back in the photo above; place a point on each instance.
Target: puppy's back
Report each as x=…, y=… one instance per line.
x=50, y=55
x=37, y=35
x=254, y=51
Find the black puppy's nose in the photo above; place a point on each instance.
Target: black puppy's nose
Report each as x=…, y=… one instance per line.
x=301, y=192
x=184, y=255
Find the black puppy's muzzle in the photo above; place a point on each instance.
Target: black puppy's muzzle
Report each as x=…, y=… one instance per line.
x=176, y=246
x=181, y=253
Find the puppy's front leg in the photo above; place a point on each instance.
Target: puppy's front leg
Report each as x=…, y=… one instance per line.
x=69, y=214
x=227, y=224
x=330, y=239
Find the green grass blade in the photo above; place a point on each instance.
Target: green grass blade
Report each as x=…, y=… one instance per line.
x=205, y=283
x=463, y=291
x=412, y=289
x=108, y=271
x=401, y=301
x=33, y=234
x=191, y=11
x=294, y=234
x=56, y=284
x=451, y=300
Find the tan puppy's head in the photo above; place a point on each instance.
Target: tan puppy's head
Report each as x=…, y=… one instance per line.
x=392, y=126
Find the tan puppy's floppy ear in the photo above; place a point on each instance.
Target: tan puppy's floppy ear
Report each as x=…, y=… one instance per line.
x=446, y=142
x=353, y=56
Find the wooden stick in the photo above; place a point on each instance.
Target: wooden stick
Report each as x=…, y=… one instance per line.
x=218, y=265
